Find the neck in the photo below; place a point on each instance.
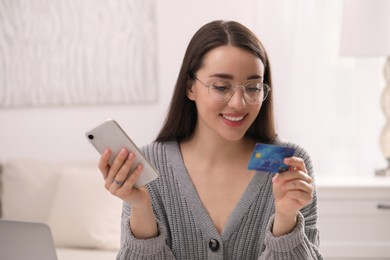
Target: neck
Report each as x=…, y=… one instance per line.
x=217, y=150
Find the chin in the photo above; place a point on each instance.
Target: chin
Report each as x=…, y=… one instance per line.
x=233, y=137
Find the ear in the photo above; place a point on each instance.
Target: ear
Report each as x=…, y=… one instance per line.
x=190, y=90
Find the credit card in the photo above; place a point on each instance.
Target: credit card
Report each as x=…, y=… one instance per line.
x=269, y=158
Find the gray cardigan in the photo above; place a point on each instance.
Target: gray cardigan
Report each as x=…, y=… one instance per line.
x=187, y=232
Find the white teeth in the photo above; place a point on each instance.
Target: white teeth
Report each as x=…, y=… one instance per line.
x=235, y=119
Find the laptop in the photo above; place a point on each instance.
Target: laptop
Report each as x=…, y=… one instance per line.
x=25, y=241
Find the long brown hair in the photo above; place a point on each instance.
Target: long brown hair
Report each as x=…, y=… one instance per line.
x=182, y=115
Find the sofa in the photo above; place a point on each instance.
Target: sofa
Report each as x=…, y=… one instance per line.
x=70, y=198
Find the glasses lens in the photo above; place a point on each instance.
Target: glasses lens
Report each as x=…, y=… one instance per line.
x=256, y=92
x=221, y=90
x=253, y=92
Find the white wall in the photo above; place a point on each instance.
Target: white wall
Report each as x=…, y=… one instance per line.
x=57, y=133
x=328, y=104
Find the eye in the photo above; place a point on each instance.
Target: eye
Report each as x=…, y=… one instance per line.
x=221, y=86
x=253, y=87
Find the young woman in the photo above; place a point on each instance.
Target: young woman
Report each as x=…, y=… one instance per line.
x=206, y=204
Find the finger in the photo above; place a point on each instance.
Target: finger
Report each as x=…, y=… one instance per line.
x=131, y=180
x=128, y=185
x=116, y=165
x=303, y=198
x=103, y=165
x=298, y=185
x=296, y=163
x=294, y=175
x=123, y=172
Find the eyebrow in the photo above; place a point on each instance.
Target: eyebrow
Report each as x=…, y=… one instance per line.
x=228, y=76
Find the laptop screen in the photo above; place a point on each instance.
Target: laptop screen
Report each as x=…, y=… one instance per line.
x=26, y=240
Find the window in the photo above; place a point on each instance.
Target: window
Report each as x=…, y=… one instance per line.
x=327, y=103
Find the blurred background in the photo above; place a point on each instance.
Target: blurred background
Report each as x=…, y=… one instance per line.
x=67, y=65
x=324, y=101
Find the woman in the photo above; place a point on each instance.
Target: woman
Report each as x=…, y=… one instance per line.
x=206, y=204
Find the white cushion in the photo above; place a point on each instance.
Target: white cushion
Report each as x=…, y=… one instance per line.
x=84, y=213
x=28, y=188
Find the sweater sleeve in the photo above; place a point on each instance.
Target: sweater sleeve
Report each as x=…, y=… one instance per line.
x=295, y=245
x=133, y=248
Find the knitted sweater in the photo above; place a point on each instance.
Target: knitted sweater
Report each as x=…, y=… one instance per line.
x=186, y=231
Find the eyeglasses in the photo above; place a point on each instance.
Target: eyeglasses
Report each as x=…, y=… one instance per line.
x=222, y=90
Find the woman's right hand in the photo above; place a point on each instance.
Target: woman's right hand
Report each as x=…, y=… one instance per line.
x=118, y=180
x=120, y=183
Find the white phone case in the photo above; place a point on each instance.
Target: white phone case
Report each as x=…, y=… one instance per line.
x=110, y=135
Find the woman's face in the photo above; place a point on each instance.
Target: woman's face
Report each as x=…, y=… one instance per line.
x=231, y=119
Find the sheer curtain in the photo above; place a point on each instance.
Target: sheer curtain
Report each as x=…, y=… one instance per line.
x=327, y=103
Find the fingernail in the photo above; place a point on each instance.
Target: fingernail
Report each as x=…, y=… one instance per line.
x=275, y=178
x=123, y=151
x=287, y=160
x=131, y=156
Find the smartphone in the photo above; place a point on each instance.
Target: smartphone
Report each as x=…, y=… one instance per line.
x=110, y=135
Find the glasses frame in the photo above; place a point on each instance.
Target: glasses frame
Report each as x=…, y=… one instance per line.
x=235, y=89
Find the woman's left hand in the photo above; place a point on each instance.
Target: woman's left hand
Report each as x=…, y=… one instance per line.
x=293, y=190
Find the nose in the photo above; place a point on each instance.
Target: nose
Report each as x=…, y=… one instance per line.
x=237, y=100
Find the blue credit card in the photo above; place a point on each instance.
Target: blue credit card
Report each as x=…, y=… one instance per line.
x=269, y=158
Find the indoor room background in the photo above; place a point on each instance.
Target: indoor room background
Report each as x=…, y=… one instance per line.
x=68, y=65
x=326, y=102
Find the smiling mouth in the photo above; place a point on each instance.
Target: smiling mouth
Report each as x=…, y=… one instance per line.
x=234, y=119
